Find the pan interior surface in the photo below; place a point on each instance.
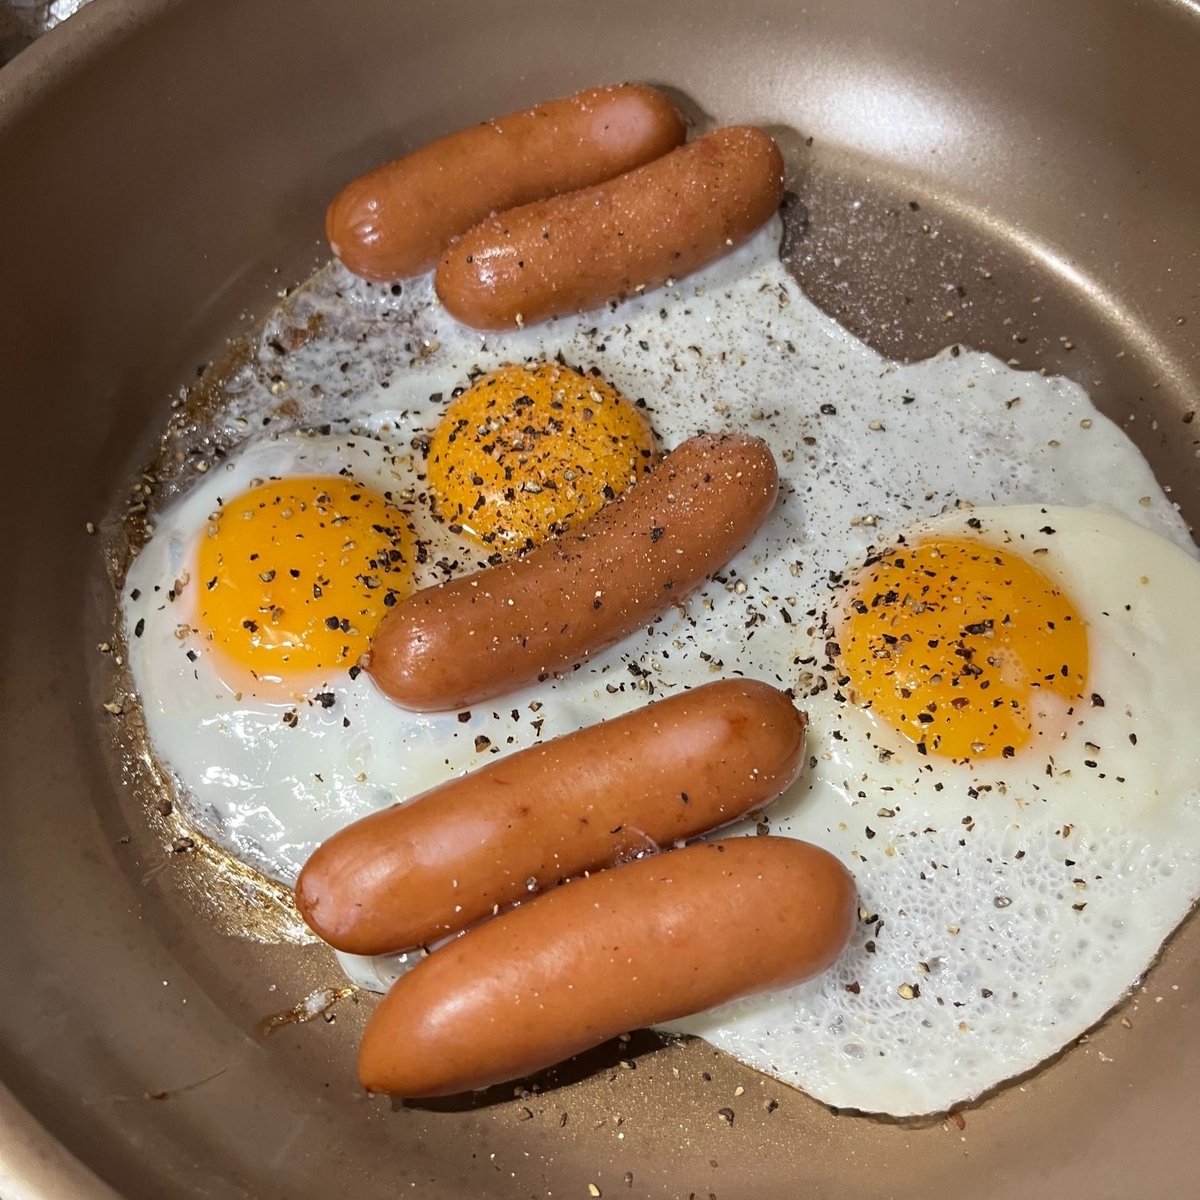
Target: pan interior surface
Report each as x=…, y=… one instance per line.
x=1021, y=179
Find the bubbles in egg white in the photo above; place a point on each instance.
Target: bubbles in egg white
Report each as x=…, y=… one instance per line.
x=1007, y=903
x=866, y=447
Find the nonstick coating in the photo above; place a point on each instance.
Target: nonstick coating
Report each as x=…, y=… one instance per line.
x=1021, y=177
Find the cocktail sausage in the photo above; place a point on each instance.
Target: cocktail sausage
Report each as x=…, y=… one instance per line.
x=397, y=220
x=637, y=945
x=482, y=635
x=581, y=249
x=435, y=864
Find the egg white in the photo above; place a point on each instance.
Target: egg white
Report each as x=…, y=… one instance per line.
x=866, y=447
x=271, y=777
x=1007, y=904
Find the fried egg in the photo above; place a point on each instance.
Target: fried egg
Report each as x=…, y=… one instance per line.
x=1022, y=854
x=250, y=607
x=870, y=451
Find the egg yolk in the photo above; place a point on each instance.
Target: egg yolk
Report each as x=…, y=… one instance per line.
x=526, y=451
x=296, y=574
x=953, y=642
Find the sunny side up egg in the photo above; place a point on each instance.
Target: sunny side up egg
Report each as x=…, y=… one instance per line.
x=869, y=451
x=1021, y=854
x=283, y=565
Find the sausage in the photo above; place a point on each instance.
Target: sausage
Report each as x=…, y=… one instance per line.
x=643, y=943
x=580, y=250
x=479, y=636
x=418, y=871
x=397, y=219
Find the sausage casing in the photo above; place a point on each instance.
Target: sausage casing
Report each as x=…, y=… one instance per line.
x=637, y=945
x=579, y=250
x=421, y=870
x=482, y=635
x=396, y=220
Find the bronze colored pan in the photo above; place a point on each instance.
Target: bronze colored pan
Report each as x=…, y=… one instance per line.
x=1021, y=177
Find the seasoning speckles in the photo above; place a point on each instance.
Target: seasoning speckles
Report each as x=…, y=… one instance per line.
x=976, y=894
x=727, y=350
x=919, y=644
x=529, y=450
x=281, y=555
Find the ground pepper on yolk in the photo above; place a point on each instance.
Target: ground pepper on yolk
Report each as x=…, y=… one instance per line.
x=951, y=642
x=296, y=574
x=527, y=451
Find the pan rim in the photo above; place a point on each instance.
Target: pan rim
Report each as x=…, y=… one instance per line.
x=34, y=1164
x=69, y=47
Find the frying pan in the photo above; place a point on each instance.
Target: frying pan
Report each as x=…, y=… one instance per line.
x=1030, y=169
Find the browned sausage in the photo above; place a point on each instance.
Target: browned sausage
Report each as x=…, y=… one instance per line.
x=580, y=250
x=480, y=636
x=397, y=220
x=421, y=870
x=640, y=944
